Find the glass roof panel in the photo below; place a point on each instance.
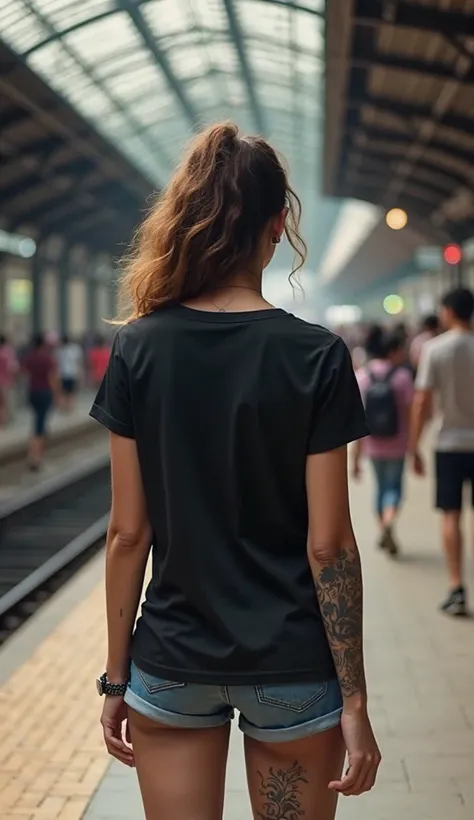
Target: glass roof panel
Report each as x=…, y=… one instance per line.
x=65, y=13
x=145, y=72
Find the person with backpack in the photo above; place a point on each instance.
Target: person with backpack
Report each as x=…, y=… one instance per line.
x=387, y=391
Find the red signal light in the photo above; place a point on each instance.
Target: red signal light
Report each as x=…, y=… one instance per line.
x=452, y=254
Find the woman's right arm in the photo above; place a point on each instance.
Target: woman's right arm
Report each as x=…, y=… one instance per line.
x=335, y=564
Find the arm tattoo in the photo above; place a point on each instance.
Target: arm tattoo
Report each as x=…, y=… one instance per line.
x=281, y=793
x=339, y=590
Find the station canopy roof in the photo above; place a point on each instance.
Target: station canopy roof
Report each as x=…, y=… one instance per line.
x=400, y=109
x=147, y=73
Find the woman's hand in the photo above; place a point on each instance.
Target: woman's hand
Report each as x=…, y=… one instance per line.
x=356, y=471
x=363, y=754
x=419, y=464
x=115, y=727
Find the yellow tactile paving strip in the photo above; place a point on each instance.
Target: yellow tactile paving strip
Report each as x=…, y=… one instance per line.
x=51, y=754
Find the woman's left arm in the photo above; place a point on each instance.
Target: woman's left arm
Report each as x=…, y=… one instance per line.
x=128, y=546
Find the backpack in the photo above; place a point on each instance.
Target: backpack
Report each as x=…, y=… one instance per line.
x=381, y=406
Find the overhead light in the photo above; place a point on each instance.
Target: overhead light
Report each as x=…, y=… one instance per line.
x=452, y=254
x=396, y=219
x=27, y=247
x=393, y=304
x=17, y=244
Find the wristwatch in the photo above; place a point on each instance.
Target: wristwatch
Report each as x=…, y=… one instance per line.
x=104, y=687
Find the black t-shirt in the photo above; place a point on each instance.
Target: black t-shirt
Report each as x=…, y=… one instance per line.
x=225, y=408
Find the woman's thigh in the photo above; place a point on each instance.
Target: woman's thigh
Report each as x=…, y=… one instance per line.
x=181, y=771
x=291, y=779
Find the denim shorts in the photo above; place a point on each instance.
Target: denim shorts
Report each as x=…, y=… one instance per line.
x=269, y=712
x=389, y=480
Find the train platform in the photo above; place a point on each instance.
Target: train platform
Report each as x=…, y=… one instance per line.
x=62, y=426
x=420, y=668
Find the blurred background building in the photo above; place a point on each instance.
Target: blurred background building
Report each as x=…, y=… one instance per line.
x=370, y=101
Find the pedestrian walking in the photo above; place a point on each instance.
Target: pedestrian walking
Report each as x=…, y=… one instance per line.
x=429, y=329
x=8, y=372
x=70, y=365
x=98, y=359
x=446, y=380
x=387, y=390
x=40, y=367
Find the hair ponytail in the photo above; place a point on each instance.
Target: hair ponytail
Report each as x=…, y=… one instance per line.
x=208, y=222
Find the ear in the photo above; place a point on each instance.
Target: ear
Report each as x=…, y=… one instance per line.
x=278, y=223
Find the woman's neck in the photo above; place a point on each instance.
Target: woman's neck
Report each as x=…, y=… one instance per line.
x=241, y=293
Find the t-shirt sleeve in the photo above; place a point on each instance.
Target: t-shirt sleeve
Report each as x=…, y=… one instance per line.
x=112, y=406
x=426, y=376
x=338, y=411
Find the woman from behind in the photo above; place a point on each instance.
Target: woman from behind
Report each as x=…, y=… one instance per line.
x=387, y=389
x=229, y=425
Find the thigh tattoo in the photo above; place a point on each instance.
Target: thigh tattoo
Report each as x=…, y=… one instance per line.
x=281, y=793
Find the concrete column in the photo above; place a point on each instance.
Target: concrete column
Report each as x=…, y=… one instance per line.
x=37, y=291
x=63, y=286
x=112, y=299
x=92, y=308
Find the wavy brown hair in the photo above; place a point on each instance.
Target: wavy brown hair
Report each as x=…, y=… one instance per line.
x=208, y=223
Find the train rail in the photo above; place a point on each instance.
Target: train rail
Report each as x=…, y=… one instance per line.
x=46, y=534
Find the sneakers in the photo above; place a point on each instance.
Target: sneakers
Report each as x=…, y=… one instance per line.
x=455, y=604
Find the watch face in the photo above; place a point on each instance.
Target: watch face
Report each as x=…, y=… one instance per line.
x=100, y=686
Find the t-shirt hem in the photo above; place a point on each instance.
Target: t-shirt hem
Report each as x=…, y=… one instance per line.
x=329, y=444
x=115, y=426
x=251, y=677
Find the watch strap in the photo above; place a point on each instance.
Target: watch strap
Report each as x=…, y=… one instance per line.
x=114, y=689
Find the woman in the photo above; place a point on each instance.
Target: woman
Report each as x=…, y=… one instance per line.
x=229, y=422
x=387, y=389
x=40, y=367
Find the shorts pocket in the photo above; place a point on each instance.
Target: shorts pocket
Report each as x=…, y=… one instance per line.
x=154, y=685
x=294, y=697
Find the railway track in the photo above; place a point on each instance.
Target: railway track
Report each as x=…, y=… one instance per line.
x=46, y=535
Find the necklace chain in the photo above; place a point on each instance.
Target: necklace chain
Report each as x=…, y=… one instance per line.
x=223, y=308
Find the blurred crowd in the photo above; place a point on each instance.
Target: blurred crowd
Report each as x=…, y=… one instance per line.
x=410, y=377
x=48, y=373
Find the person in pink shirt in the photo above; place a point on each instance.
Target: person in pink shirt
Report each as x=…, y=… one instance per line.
x=8, y=371
x=387, y=391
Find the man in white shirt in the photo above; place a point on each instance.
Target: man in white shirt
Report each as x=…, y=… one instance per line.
x=70, y=364
x=446, y=373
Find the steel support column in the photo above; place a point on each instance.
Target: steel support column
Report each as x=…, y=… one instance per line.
x=91, y=306
x=245, y=66
x=37, y=265
x=161, y=59
x=63, y=291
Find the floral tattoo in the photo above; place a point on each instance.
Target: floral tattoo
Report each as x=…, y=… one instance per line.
x=281, y=793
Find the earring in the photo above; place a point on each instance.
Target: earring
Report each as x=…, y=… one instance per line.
x=276, y=240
